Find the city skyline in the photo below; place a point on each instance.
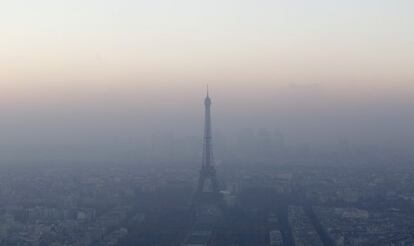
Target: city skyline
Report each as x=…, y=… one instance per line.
x=308, y=108
x=85, y=73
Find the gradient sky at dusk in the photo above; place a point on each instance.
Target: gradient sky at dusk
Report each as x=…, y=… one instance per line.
x=67, y=62
x=92, y=42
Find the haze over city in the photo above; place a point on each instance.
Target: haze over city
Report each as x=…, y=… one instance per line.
x=206, y=123
x=76, y=72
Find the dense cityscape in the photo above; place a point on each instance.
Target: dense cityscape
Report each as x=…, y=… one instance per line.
x=206, y=123
x=149, y=204
x=282, y=195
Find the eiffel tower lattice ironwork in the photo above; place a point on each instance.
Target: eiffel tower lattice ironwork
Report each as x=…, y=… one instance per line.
x=208, y=171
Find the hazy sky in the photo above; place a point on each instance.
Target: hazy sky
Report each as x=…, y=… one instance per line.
x=98, y=43
x=70, y=68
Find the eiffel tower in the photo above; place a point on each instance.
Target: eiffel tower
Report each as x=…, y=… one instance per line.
x=207, y=193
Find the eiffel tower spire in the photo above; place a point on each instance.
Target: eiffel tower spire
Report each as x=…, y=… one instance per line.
x=207, y=172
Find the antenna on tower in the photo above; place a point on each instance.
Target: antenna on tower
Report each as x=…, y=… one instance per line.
x=207, y=91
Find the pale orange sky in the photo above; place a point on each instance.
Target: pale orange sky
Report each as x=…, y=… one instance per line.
x=51, y=46
x=96, y=70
